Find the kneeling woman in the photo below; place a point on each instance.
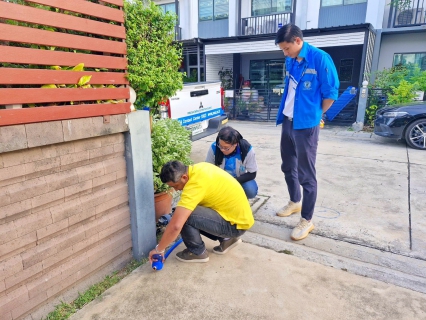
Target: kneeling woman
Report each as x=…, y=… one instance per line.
x=236, y=156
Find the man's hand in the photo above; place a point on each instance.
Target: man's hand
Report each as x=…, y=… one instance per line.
x=172, y=230
x=326, y=104
x=152, y=252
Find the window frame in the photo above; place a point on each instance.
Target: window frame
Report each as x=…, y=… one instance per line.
x=164, y=5
x=277, y=12
x=407, y=53
x=343, y=3
x=213, y=18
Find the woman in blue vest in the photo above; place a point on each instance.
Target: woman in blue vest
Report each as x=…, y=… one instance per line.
x=236, y=156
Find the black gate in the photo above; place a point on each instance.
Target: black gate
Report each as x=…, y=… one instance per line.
x=262, y=105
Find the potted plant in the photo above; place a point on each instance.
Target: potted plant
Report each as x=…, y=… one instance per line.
x=170, y=141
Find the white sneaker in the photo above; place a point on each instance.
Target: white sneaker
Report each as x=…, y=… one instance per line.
x=302, y=229
x=290, y=208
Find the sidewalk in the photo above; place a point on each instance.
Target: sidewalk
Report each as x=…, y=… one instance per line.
x=251, y=282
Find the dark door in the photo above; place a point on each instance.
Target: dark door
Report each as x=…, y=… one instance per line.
x=347, y=60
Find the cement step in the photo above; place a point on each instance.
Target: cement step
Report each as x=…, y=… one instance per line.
x=400, y=270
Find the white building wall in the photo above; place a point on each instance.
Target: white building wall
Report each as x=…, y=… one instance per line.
x=233, y=18
x=245, y=8
x=214, y=64
x=375, y=13
x=309, y=14
x=184, y=18
x=399, y=43
x=193, y=17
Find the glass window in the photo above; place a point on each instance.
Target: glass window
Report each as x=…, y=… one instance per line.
x=221, y=9
x=407, y=58
x=205, y=10
x=192, y=59
x=346, y=70
x=169, y=7
x=354, y=1
x=213, y=9
x=263, y=7
x=328, y=3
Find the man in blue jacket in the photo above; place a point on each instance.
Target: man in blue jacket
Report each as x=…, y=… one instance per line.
x=310, y=88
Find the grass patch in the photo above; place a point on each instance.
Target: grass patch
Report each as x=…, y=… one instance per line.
x=286, y=252
x=65, y=310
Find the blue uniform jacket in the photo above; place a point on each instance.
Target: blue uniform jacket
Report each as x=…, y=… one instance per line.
x=318, y=81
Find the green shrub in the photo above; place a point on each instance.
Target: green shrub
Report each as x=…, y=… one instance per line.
x=403, y=93
x=371, y=114
x=170, y=141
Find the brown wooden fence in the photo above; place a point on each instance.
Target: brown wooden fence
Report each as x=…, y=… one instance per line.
x=41, y=41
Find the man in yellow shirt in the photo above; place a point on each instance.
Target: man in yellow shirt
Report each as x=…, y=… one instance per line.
x=212, y=204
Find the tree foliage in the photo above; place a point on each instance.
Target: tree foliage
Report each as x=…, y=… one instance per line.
x=153, y=57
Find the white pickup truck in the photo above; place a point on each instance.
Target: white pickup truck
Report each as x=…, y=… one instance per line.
x=198, y=107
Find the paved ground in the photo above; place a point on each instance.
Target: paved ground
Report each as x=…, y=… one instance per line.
x=370, y=188
x=370, y=224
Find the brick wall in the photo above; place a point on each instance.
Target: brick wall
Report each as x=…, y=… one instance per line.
x=64, y=218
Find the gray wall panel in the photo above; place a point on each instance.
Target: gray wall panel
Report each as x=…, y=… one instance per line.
x=342, y=15
x=213, y=29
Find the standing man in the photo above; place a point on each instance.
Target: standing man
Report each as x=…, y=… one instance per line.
x=311, y=87
x=213, y=204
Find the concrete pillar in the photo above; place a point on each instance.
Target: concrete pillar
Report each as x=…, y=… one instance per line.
x=362, y=102
x=141, y=186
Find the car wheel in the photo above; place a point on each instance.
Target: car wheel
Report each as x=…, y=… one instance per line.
x=415, y=134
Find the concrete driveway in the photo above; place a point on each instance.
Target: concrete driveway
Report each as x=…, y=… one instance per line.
x=371, y=203
x=369, y=226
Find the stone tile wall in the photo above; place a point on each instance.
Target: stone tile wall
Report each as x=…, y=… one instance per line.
x=64, y=213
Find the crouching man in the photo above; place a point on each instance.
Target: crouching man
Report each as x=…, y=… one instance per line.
x=212, y=204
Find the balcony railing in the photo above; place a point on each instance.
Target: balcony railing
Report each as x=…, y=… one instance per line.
x=264, y=24
x=412, y=14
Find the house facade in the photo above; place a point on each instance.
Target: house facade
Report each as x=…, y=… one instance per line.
x=361, y=36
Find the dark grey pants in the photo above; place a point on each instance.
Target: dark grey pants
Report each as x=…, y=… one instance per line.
x=298, y=155
x=207, y=222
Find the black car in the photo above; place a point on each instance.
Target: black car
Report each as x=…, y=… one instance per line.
x=406, y=122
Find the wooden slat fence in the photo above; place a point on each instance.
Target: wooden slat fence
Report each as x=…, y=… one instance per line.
x=41, y=41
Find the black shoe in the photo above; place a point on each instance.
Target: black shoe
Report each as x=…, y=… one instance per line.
x=226, y=245
x=188, y=256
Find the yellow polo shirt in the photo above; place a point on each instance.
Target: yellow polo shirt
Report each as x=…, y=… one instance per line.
x=214, y=188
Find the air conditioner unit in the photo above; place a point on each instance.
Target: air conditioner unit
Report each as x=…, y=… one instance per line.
x=410, y=16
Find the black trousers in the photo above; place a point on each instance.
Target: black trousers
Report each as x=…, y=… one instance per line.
x=298, y=155
x=207, y=222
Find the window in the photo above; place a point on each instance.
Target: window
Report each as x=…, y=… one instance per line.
x=262, y=7
x=329, y=3
x=168, y=7
x=213, y=10
x=413, y=58
x=346, y=70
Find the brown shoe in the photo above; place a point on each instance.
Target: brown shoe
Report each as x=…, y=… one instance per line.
x=226, y=245
x=188, y=256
